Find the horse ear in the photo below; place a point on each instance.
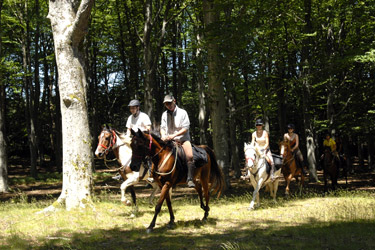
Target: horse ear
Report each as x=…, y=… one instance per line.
x=133, y=132
x=139, y=133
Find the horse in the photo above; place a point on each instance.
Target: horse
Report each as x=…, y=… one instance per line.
x=169, y=169
x=119, y=143
x=330, y=168
x=290, y=168
x=256, y=165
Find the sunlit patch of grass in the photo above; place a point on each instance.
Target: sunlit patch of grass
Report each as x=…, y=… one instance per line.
x=340, y=220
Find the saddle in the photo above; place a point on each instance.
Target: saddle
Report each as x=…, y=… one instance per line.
x=199, y=156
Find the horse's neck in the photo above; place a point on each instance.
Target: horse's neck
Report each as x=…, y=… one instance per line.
x=122, y=151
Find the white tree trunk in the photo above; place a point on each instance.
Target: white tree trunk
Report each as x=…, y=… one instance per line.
x=69, y=20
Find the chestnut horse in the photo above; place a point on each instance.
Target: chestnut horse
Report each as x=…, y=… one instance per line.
x=169, y=170
x=290, y=168
x=256, y=165
x=110, y=139
x=330, y=168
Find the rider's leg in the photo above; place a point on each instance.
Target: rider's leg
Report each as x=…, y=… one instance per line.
x=273, y=169
x=190, y=162
x=302, y=162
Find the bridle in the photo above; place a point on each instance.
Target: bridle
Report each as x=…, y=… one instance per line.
x=148, y=156
x=111, y=144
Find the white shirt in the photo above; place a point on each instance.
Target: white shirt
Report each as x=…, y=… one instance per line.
x=181, y=120
x=140, y=122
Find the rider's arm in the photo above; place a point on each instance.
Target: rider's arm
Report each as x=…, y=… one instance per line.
x=267, y=141
x=252, y=140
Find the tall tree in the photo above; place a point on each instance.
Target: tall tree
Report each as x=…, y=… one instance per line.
x=70, y=20
x=3, y=147
x=216, y=90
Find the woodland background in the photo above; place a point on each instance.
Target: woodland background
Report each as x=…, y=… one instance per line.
x=305, y=62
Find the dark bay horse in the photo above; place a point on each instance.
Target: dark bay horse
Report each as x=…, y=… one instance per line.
x=330, y=168
x=119, y=143
x=167, y=171
x=290, y=168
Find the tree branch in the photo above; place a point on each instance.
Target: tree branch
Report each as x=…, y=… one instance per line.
x=81, y=21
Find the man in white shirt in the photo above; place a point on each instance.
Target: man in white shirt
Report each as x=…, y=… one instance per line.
x=137, y=120
x=175, y=125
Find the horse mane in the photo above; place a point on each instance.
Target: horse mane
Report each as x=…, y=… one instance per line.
x=123, y=136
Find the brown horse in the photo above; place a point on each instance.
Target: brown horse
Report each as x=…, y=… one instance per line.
x=168, y=171
x=289, y=168
x=330, y=168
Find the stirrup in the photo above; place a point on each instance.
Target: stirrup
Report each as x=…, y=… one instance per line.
x=150, y=180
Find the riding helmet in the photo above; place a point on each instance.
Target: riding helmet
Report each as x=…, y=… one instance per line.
x=258, y=122
x=134, y=102
x=291, y=125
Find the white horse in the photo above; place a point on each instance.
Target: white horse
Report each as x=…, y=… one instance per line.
x=110, y=139
x=257, y=170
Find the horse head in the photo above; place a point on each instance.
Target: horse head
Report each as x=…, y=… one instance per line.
x=106, y=140
x=252, y=155
x=141, y=144
x=285, y=149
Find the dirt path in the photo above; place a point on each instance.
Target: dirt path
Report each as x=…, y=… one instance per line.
x=41, y=190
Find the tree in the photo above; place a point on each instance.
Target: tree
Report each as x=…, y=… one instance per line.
x=3, y=148
x=70, y=20
x=216, y=90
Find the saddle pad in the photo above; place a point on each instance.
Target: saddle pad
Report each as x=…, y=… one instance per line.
x=278, y=160
x=200, y=156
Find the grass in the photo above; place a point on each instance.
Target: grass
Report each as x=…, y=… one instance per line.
x=343, y=220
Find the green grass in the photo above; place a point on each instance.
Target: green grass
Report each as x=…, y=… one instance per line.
x=343, y=220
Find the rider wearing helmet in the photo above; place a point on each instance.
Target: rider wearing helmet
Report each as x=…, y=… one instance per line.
x=137, y=119
x=293, y=140
x=175, y=125
x=260, y=140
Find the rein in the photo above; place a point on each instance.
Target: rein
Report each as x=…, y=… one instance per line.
x=166, y=159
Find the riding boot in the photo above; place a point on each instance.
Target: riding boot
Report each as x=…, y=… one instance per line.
x=272, y=172
x=190, y=176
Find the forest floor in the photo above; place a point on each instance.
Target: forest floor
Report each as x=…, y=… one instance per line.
x=49, y=183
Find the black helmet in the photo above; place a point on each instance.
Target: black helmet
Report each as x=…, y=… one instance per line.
x=134, y=102
x=258, y=122
x=291, y=125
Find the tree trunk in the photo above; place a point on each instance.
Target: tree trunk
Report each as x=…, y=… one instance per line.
x=216, y=93
x=69, y=22
x=3, y=147
x=305, y=77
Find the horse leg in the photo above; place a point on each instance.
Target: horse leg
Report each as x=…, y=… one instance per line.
x=301, y=184
x=256, y=190
x=169, y=204
x=206, y=193
x=132, y=180
x=325, y=180
x=155, y=188
x=163, y=194
x=135, y=209
x=288, y=179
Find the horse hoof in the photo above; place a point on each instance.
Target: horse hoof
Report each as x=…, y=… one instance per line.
x=250, y=208
x=171, y=225
x=132, y=216
x=149, y=230
x=127, y=203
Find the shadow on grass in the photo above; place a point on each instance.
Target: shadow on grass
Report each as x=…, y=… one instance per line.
x=337, y=235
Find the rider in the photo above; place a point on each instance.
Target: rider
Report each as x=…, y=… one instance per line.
x=137, y=120
x=330, y=142
x=175, y=125
x=260, y=140
x=293, y=139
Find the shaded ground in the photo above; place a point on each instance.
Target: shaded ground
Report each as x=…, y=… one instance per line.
x=45, y=188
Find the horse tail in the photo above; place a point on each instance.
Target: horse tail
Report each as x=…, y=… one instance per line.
x=216, y=174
